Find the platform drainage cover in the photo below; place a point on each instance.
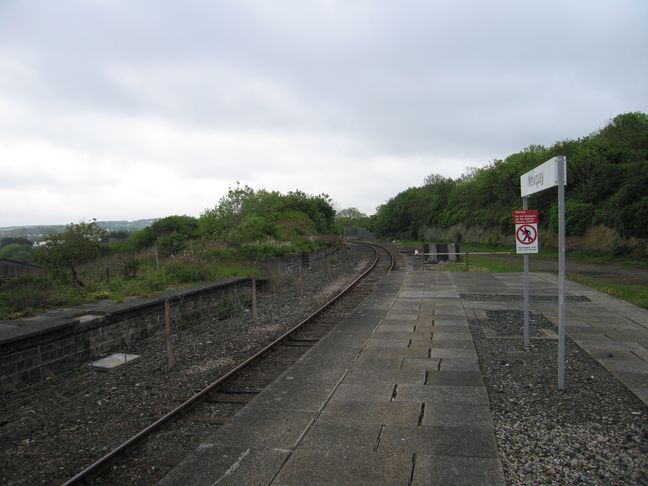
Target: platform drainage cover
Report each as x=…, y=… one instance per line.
x=114, y=361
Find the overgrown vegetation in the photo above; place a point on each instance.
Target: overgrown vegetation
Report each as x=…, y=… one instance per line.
x=85, y=263
x=16, y=249
x=607, y=177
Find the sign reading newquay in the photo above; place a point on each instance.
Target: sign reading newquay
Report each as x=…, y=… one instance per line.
x=526, y=231
x=542, y=177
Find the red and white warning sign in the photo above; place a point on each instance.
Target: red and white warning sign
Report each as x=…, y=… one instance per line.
x=526, y=230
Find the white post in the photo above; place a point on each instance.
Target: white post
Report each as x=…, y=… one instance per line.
x=562, y=163
x=525, y=205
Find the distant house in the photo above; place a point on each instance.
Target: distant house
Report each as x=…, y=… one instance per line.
x=10, y=269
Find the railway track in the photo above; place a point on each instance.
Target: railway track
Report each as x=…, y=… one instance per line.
x=149, y=454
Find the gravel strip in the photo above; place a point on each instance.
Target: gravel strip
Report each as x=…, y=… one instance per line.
x=52, y=430
x=594, y=432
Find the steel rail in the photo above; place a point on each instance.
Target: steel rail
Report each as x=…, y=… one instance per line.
x=100, y=464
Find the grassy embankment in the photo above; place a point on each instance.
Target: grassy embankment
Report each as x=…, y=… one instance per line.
x=109, y=277
x=635, y=293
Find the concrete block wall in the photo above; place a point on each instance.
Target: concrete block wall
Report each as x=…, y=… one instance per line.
x=64, y=344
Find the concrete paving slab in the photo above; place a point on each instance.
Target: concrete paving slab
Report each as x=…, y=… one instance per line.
x=433, y=394
x=406, y=305
x=452, y=353
x=456, y=378
x=258, y=428
x=343, y=437
x=449, y=343
x=458, y=364
x=636, y=365
x=394, y=413
x=392, y=376
x=428, y=364
x=227, y=466
x=449, y=312
x=641, y=392
x=395, y=326
x=388, y=335
x=458, y=415
x=457, y=471
x=458, y=334
x=379, y=393
x=289, y=394
x=402, y=316
x=313, y=372
x=632, y=379
x=338, y=467
x=445, y=320
x=440, y=440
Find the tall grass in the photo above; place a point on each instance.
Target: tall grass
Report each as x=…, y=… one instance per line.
x=107, y=278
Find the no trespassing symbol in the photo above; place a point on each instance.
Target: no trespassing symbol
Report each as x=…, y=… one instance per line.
x=526, y=233
x=526, y=238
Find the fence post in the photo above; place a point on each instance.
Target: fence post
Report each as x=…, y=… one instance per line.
x=467, y=267
x=167, y=325
x=157, y=257
x=254, y=300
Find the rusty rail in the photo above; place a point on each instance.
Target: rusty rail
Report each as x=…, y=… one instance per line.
x=100, y=464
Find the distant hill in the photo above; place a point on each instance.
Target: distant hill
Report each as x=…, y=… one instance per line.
x=39, y=232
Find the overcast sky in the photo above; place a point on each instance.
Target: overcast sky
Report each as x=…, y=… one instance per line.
x=118, y=110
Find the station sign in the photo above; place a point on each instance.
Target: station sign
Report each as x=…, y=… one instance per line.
x=526, y=231
x=542, y=177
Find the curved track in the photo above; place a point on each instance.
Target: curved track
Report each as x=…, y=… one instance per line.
x=238, y=386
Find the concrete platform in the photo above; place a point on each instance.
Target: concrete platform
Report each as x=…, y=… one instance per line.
x=394, y=394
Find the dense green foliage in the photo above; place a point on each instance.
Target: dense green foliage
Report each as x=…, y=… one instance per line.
x=16, y=249
x=607, y=179
x=170, y=233
x=77, y=244
x=259, y=219
x=246, y=226
x=352, y=218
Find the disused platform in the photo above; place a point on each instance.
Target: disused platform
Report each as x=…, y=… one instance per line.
x=394, y=394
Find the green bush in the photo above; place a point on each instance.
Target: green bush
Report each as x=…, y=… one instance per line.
x=171, y=244
x=578, y=217
x=267, y=249
x=25, y=294
x=185, y=269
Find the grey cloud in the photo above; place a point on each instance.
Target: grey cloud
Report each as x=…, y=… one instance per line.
x=467, y=81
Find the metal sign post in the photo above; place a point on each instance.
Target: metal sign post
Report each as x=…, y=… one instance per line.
x=550, y=174
x=527, y=345
x=562, y=168
x=526, y=241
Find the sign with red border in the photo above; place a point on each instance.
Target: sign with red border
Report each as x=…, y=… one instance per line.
x=525, y=216
x=526, y=231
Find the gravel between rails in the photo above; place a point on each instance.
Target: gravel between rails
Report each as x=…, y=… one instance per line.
x=52, y=430
x=595, y=432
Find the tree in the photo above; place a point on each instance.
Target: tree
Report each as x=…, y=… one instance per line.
x=78, y=243
x=187, y=226
x=352, y=218
x=17, y=249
